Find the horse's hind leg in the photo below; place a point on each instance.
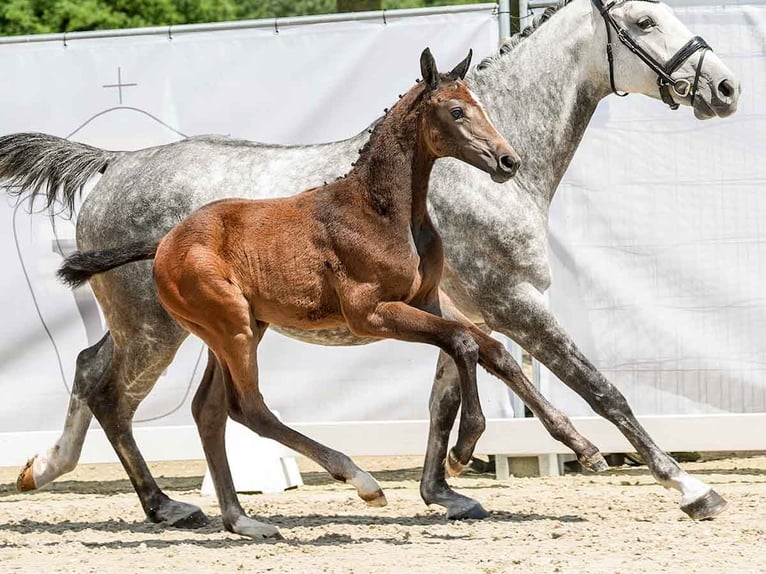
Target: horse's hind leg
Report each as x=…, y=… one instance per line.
x=132, y=373
x=92, y=364
x=209, y=409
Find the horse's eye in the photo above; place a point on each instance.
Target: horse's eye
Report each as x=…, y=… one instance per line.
x=457, y=113
x=646, y=22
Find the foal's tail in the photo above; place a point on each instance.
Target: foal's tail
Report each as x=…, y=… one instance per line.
x=81, y=266
x=41, y=164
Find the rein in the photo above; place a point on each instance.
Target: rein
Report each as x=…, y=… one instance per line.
x=681, y=87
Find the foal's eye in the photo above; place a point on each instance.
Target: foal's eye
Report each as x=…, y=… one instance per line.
x=646, y=22
x=457, y=113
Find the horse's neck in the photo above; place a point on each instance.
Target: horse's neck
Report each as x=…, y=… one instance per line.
x=395, y=168
x=543, y=94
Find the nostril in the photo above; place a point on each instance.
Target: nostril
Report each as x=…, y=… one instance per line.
x=508, y=163
x=726, y=88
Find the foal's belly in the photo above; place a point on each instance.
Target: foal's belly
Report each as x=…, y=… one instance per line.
x=335, y=337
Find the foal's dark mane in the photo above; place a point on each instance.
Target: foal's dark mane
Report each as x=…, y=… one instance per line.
x=411, y=98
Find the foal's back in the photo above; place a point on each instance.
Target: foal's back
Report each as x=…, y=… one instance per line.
x=277, y=253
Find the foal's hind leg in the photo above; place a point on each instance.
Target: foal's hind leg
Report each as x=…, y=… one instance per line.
x=92, y=364
x=209, y=409
x=233, y=335
x=246, y=406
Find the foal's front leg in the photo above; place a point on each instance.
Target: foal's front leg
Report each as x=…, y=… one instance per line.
x=397, y=320
x=444, y=404
x=498, y=361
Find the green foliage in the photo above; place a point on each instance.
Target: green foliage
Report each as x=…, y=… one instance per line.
x=43, y=16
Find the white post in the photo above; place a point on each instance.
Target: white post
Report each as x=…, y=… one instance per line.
x=522, y=15
x=504, y=19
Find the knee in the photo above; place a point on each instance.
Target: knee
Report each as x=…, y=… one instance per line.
x=495, y=354
x=464, y=346
x=609, y=402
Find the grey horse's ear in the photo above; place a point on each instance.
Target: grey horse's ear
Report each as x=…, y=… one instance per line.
x=459, y=71
x=428, y=68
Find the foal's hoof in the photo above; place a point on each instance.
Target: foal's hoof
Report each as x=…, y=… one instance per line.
x=256, y=530
x=475, y=512
x=368, y=489
x=707, y=506
x=26, y=480
x=452, y=465
x=594, y=462
x=377, y=499
x=196, y=519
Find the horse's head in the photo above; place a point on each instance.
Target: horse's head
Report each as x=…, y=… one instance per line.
x=655, y=54
x=454, y=123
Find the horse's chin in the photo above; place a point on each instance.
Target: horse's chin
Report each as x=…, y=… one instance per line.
x=703, y=110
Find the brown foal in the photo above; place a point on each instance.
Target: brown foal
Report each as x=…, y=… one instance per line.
x=360, y=253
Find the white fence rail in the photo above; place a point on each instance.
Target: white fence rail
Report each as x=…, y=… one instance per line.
x=511, y=437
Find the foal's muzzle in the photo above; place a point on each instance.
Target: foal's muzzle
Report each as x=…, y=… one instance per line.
x=509, y=165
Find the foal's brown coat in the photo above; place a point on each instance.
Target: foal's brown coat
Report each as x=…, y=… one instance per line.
x=360, y=253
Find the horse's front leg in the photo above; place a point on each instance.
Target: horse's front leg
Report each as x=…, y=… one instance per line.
x=526, y=319
x=397, y=320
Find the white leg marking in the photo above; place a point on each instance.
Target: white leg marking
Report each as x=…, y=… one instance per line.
x=62, y=457
x=365, y=484
x=690, y=488
x=254, y=529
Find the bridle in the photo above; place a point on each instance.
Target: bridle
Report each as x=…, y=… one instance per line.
x=681, y=87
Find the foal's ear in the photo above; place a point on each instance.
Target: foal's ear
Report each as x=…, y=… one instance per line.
x=428, y=68
x=459, y=71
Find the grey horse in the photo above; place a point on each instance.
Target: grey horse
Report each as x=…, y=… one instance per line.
x=542, y=88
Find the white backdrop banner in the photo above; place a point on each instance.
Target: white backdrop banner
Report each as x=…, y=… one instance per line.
x=300, y=84
x=658, y=241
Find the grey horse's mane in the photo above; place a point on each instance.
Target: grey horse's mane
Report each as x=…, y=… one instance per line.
x=508, y=45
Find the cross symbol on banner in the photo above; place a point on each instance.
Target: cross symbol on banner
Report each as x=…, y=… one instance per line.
x=119, y=85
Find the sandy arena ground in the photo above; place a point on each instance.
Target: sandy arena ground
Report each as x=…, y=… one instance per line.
x=617, y=522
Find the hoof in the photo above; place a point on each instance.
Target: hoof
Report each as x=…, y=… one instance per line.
x=594, y=462
x=196, y=519
x=26, y=480
x=452, y=465
x=256, y=530
x=707, y=506
x=377, y=499
x=475, y=512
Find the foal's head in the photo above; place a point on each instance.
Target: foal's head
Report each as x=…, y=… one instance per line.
x=454, y=123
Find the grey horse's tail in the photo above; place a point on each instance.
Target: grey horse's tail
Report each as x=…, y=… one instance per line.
x=82, y=265
x=41, y=164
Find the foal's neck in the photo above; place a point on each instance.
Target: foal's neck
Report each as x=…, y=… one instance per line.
x=394, y=167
